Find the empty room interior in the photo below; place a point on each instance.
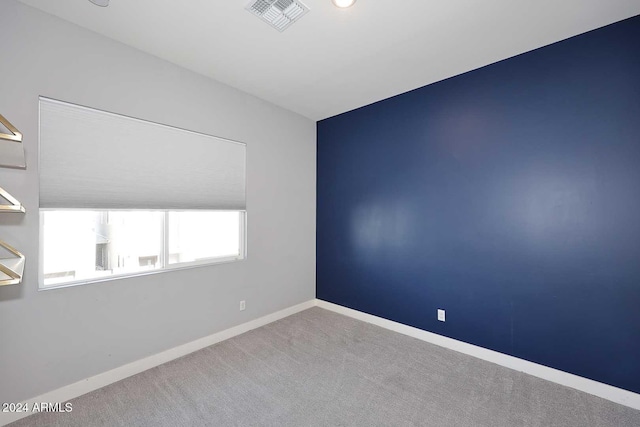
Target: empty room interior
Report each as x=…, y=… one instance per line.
x=320, y=213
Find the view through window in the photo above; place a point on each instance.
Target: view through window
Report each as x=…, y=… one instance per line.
x=81, y=245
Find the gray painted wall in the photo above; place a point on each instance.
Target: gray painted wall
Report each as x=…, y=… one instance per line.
x=52, y=338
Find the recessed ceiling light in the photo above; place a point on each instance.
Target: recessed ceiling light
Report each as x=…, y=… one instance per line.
x=343, y=3
x=101, y=3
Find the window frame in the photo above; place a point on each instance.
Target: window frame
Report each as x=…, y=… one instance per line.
x=165, y=265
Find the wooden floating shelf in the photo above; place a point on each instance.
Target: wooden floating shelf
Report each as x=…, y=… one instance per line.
x=11, y=269
x=11, y=148
x=13, y=206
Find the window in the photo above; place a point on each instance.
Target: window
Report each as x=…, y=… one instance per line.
x=196, y=236
x=121, y=196
x=82, y=246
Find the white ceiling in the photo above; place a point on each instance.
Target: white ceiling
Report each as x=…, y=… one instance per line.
x=334, y=60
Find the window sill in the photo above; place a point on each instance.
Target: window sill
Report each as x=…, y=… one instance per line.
x=174, y=267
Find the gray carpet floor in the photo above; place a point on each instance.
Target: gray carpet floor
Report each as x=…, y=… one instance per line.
x=318, y=368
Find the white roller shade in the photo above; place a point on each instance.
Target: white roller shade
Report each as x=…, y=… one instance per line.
x=94, y=159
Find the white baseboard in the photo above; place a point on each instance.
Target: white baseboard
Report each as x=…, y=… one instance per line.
x=87, y=385
x=79, y=388
x=605, y=391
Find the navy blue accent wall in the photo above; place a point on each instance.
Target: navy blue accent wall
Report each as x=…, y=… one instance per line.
x=509, y=196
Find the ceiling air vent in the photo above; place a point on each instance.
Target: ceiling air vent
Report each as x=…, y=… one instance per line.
x=280, y=14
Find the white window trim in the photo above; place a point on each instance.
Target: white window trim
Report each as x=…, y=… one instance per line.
x=166, y=267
